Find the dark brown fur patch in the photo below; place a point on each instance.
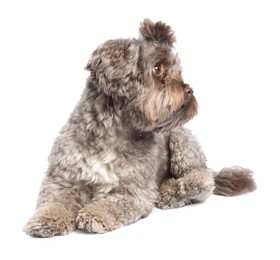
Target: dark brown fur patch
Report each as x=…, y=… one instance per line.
x=158, y=31
x=234, y=181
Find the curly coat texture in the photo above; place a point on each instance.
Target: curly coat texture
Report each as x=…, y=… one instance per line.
x=123, y=149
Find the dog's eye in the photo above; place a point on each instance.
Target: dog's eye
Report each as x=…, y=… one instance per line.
x=157, y=68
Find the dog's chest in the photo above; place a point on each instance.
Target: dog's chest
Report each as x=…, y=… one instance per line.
x=98, y=168
x=124, y=159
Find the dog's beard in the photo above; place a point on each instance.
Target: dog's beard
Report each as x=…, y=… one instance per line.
x=163, y=109
x=186, y=112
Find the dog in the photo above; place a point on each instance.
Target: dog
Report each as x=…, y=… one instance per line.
x=124, y=149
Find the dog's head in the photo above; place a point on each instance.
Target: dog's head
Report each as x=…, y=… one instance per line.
x=144, y=79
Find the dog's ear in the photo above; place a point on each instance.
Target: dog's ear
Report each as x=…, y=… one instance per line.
x=113, y=65
x=158, y=31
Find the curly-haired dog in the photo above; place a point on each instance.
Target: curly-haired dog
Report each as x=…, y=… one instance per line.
x=123, y=149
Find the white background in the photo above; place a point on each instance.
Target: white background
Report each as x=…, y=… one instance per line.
x=230, y=51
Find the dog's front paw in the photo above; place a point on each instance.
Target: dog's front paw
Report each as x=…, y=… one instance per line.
x=90, y=223
x=96, y=220
x=47, y=225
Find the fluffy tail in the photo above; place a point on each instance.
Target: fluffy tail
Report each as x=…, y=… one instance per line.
x=234, y=181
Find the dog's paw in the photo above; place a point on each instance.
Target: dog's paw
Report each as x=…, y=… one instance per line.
x=170, y=202
x=95, y=223
x=175, y=193
x=45, y=225
x=90, y=223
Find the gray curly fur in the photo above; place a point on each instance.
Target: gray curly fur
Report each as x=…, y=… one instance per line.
x=123, y=149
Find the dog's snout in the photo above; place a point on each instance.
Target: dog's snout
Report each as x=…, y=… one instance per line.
x=188, y=90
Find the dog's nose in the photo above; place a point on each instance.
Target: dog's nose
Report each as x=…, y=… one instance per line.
x=188, y=90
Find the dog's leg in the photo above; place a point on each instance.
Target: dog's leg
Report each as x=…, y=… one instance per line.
x=58, y=204
x=114, y=210
x=191, y=181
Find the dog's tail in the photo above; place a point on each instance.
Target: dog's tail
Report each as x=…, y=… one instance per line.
x=234, y=181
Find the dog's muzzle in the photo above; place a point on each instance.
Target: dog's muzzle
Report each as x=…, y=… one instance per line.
x=188, y=92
